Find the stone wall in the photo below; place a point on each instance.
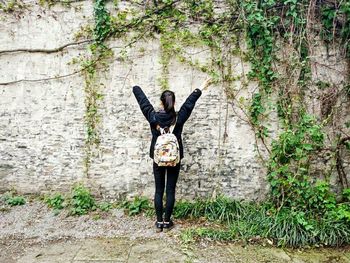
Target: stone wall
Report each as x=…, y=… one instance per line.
x=42, y=129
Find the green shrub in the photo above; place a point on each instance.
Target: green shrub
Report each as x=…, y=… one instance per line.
x=11, y=199
x=104, y=206
x=136, y=206
x=81, y=201
x=14, y=200
x=56, y=201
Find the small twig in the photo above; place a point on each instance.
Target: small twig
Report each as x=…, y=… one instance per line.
x=339, y=163
x=195, y=53
x=48, y=51
x=51, y=78
x=70, y=1
x=126, y=77
x=329, y=67
x=40, y=80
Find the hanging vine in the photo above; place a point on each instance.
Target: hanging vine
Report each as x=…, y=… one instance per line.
x=93, y=88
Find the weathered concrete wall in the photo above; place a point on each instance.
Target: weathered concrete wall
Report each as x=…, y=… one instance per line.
x=41, y=124
x=42, y=130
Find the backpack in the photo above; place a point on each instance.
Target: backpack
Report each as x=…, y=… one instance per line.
x=166, y=149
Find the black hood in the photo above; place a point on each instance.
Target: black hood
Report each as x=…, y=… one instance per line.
x=164, y=119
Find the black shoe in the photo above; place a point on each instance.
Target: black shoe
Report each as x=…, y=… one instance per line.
x=159, y=226
x=168, y=226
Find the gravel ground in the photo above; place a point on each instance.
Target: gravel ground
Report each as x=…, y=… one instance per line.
x=35, y=221
x=34, y=224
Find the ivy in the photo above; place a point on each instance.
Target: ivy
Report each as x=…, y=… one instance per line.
x=290, y=160
x=257, y=109
x=335, y=19
x=102, y=22
x=93, y=94
x=260, y=40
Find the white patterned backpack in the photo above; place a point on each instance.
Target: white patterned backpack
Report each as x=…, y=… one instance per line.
x=166, y=149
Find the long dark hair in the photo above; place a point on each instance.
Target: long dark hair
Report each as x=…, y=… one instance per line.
x=168, y=100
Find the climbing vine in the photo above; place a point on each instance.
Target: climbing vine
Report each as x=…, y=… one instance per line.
x=93, y=93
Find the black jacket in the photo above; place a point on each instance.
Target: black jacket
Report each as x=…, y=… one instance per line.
x=164, y=119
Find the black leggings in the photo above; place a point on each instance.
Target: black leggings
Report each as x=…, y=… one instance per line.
x=159, y=178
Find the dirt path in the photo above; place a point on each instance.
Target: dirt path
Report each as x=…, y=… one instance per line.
x=32, y=233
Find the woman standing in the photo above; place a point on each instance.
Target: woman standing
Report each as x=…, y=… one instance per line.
x=165, y=118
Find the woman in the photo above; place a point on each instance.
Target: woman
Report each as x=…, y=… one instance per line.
x=165, y=118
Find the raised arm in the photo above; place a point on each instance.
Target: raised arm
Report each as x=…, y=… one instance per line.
x=186, y=108
x=146, y=107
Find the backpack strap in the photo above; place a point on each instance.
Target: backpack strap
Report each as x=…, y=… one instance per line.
x=172, y=127
x=162, y=130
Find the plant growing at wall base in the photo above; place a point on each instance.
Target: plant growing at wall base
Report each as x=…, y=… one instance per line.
x=13, y=199
x=81, y=201
x=136, y=206
x=104, y=206
x=55, y=201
